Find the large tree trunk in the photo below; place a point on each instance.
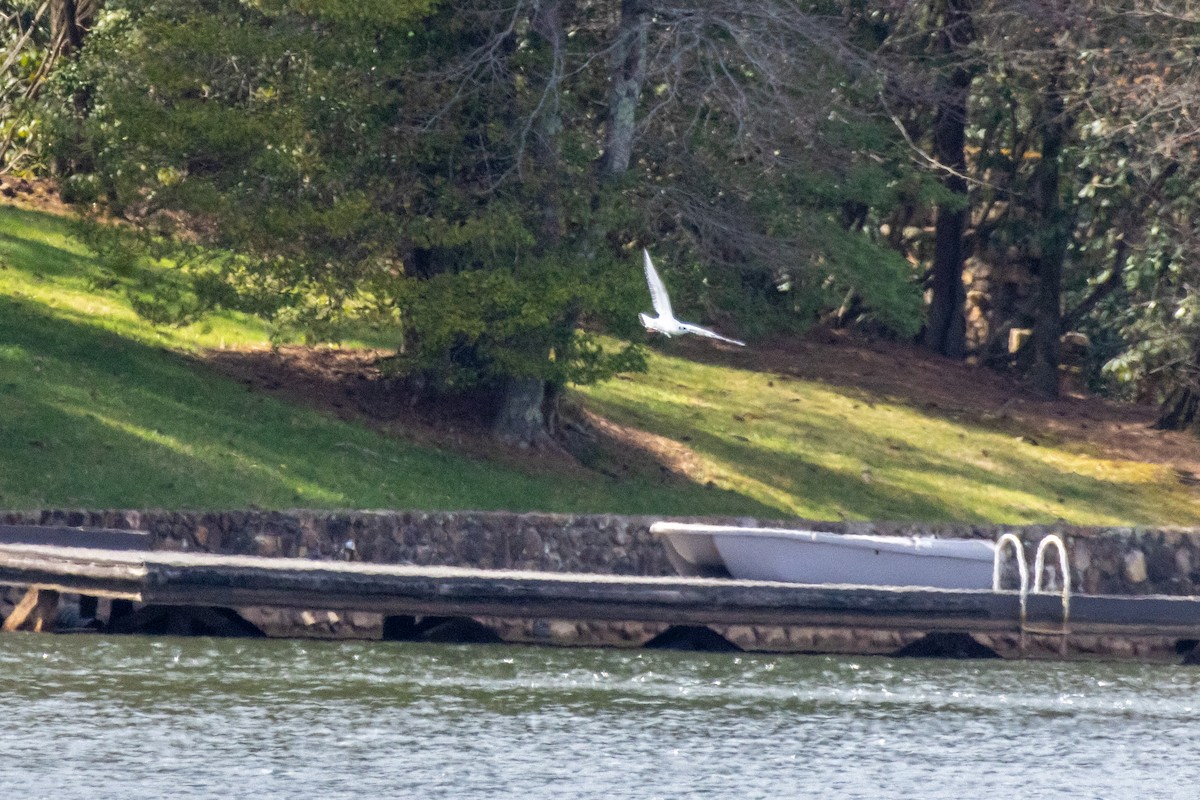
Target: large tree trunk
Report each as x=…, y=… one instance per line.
x=547, y=22
x=521, y=418
x=945, y=326
x=1051, y=250
x=627, y=76
x=527, y=406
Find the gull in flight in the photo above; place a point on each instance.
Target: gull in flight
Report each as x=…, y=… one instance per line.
x=665, y=323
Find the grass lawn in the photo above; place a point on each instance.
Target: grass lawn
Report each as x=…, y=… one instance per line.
x=99, y=409
x=820, y=452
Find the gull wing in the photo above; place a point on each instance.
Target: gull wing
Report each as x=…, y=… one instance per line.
x=696, y=329
x=658, y=290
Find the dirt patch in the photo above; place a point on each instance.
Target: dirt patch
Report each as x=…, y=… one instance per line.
x=33, y=194
x=354, y=385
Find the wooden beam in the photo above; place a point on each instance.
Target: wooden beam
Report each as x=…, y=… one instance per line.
x=21, y=611
x=45, y=614
x=36, y=611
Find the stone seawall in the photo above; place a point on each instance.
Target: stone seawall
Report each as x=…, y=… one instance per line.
x=1103, y=560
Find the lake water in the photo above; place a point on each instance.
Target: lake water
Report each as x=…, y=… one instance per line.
x=143, y=717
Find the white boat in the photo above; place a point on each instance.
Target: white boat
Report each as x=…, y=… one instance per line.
x=820, y=557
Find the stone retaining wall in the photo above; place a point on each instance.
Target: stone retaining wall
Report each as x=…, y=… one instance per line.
x=1103, y=560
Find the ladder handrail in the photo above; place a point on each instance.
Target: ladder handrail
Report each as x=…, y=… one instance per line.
x=1022, y=569
x=1054, y=540
x=1051, y=540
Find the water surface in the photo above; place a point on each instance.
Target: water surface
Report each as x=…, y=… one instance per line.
x=144, y=717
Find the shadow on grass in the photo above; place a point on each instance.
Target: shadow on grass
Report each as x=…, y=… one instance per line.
x=93, y=419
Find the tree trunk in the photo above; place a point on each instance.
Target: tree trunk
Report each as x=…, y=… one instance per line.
x=526, y=405
x=1180, y=412
x=521, y=418
x=547, y=22
x=945, y=326
x=628, y=74
x=70, y=21
x=1051, y=252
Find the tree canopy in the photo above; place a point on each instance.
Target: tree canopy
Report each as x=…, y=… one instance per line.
x=479, y=177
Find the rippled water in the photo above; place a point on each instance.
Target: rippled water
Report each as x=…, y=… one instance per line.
x=140, y=717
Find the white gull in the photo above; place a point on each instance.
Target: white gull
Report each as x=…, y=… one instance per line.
x=665, y=323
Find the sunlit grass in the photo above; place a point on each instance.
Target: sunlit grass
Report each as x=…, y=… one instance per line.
x=43, y=263
x=816, y=451
x=100, y=409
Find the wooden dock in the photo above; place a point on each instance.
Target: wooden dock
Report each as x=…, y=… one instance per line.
x=205, y=580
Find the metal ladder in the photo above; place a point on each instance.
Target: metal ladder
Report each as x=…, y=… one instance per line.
x=1039, y=565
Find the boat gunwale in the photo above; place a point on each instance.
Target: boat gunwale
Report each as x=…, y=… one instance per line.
x=915, y=546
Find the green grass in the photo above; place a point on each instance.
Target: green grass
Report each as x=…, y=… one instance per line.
x=824, y=453
x=100, y=409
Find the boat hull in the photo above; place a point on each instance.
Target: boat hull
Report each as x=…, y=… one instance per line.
x=820, y=557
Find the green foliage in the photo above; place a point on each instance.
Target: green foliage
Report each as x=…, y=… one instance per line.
x=26, y=59
x=1158, y=322
x=485, y=325
x=431, y=169
x=279, y=131
x=807, y=257
x=101, y=411
x=1127, y=177
x=422, y=166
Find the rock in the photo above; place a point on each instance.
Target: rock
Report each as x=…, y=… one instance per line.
x=1117, y=647
x=1081, y=557
x=744, y=636
x=532, y=545
x=1160, y=564
x=1135, y=567
x=208, y=538
x=1183, y=562
x=267, y=545
x=563, y=632
x=832, y=640
x=364, y=620
x=773, y=638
